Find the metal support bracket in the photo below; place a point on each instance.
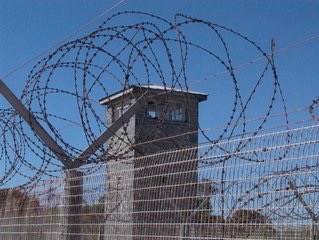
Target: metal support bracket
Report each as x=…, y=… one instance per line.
x=35, y=125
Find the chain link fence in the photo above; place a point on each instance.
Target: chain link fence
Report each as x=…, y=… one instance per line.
x=255, y=187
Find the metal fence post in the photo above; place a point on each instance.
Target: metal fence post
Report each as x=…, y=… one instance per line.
x=73, y=198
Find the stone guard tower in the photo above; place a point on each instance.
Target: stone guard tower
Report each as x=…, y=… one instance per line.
x=151, y=197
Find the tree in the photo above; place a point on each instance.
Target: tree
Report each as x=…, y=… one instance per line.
x=206, y=189
x=246, y=222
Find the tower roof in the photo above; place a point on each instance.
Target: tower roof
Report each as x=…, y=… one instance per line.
x=155, y=89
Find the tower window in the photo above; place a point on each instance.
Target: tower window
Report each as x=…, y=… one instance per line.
x=119, y=111
x=172, y=111
x=122, y=109
x=151, y=113
x=176, y=112
x=151, y=110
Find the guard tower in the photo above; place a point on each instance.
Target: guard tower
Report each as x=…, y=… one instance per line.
x=151, y=196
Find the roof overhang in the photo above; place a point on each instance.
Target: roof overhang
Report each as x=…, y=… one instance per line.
x=153, y=88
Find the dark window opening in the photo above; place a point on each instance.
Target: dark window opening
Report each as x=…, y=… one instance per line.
x=176, y=112
x=118, y=111
x=172, y=111
x=151, y=110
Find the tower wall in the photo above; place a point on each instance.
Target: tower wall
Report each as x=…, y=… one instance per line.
x=152, y=195
x=120, y=175
x=165, y=184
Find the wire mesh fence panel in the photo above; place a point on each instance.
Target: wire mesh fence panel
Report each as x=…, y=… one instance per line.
x=254, y=187
x=33, y=212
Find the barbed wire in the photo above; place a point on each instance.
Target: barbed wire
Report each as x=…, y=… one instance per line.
x=133, y=48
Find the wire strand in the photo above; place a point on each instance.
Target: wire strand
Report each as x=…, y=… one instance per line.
x=63, y=40
x=303, y=42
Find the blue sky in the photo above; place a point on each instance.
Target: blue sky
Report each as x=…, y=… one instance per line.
x=29, y=27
